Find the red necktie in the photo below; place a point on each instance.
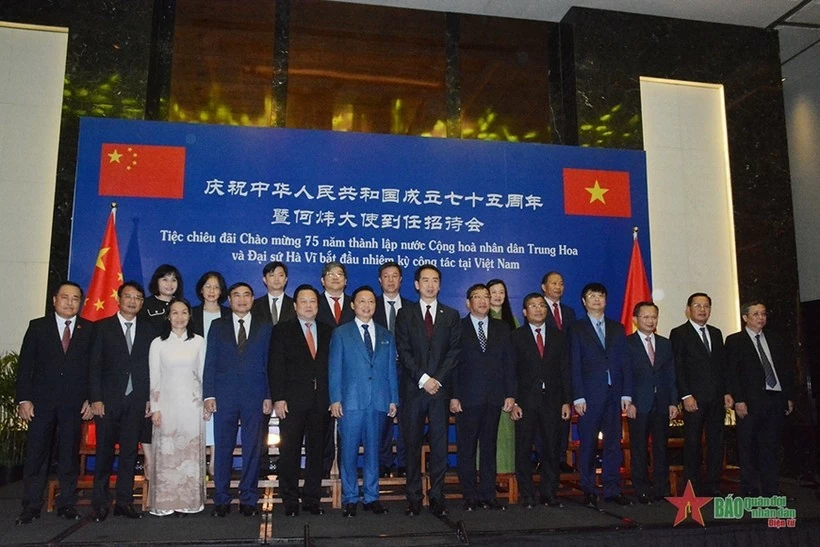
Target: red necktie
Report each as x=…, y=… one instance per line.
x=428, y=323
x=337, y=309
x=539, y=341
x=66, y=336
x=557, y=315
x=310, y=342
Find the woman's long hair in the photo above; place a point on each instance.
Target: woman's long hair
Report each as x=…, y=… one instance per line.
x=166, y=327
x=506, y=310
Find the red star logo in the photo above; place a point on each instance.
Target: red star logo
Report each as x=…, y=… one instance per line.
x=688, y=503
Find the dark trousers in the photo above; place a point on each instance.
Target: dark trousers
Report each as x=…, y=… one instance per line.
x=312, y=424
x=386, y=457
x=654, y=423
x=437, y=412
x=603, y=415
x=758, y=439
x=121, y=424
x=541, y=417
x=226, y=423
x=66, y=421
x=709, y=417
x=477, y=428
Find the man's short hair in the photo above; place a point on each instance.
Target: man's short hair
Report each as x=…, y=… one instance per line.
x=593, y=287
x=237, y=285
x=305, y=287
x=390, y=264
x=476, y=287
x=271, y=266
x=330, y=265
x=637, y=309
x=532, y=296
x=548, y=274
x=695, y=295
x=70, y=284
x=427, y=266
x=133, y=284
x=363, y=288
x=744, y=308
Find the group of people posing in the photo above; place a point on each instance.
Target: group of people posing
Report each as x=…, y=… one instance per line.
x=337, y=369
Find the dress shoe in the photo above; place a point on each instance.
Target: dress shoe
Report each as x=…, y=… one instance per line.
x=291, y=510
x=413, y=508
x=374, y=507
x=384, y=472
x=401, y=471
x=127, y=511
x=313, y=509
x=99, y=514
x=470, y=505
x=248, y=510
x=643, y=499
x=527, y=503
x=68, y=512
x=492, y=504
x=221, y=511
x=349, y=510
x=551, y=501
x=566, y=468
x=620, y=499
x=28, y=515
x=438, y=508
x=591, y=501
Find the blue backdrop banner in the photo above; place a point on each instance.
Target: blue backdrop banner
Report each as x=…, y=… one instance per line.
x=205, y=197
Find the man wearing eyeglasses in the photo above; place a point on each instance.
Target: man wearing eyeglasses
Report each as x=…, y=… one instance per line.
x=700, y=365
x=760, y=379
x=118, y=388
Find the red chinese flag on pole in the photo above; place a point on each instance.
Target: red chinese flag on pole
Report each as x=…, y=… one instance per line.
x=599, y=193
x=637, y=287
x=101, y=297
x=142, y=171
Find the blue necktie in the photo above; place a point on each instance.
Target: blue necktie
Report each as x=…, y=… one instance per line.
x=600, y=330
x=368, y=342
x=391, y=321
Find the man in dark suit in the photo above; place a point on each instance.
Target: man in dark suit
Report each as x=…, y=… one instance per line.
x=560, y=316
x=387, y=309
x=600, y=382
x=428, y=337
x=700, y=366
x=298, y=385
x=654, y=401
x=274, y=306
x=235, y=388
x=119, y=391
x=334, y=304
x=760, y=379
x=541, y=360
x=53, y=380
x=363, y=389
x=484, y=384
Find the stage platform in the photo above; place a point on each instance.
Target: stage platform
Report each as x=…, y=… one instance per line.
x=573, y=524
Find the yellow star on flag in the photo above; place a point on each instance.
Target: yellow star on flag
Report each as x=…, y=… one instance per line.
x=103, y=251
x=99, y=304
x=119, y=277
x=114, y=294
x=115, y=156
x=596, y=193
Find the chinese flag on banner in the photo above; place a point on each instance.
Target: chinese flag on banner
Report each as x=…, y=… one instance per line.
x=637, y=287
x=597, y=193
x=101, y=297
x=142, y=171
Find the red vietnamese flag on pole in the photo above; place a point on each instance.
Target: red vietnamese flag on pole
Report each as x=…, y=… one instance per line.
x=597, y=192
x=101, y=297
x=142, y=171
x=637, y=287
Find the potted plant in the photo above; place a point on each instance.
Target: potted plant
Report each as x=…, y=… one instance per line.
x=12, y=428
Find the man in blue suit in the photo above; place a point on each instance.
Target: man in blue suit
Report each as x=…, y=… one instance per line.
x=654, y=401
x=236, y=378
x=363, y=389
x=600, y=382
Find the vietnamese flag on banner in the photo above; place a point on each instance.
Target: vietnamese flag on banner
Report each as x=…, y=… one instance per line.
x=637, y=287
x=101, y=298
x=142, y=171
x=597, y=193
